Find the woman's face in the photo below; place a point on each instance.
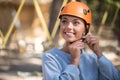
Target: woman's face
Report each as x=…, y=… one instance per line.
x=71, y=28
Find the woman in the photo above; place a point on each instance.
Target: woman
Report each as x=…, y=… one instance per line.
x=72, y=62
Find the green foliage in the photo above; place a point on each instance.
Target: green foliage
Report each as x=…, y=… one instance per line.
x=112, y=23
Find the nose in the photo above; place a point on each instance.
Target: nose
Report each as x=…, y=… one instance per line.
x=70, y=25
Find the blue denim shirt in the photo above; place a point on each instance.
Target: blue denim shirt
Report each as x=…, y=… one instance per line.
x=56, y=66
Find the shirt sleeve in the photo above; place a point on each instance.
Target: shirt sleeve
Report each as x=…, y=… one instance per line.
x=51, y=70
x=107, y=70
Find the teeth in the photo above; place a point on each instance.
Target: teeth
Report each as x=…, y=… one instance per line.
x=69, y=33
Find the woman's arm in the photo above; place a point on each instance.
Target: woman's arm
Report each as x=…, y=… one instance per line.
x=52, y=70
x=107, y=70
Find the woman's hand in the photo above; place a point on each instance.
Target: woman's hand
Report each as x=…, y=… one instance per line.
x=75, y=51
x=93, y=44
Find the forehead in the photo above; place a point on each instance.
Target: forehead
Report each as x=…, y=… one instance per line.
x=71, y=17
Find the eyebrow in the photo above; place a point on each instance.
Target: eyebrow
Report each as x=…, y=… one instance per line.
x=64, y=18
x=76, y=19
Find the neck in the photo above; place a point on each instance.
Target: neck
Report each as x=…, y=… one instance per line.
x=65, y=48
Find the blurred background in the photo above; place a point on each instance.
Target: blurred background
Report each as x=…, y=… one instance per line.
x=30, y=27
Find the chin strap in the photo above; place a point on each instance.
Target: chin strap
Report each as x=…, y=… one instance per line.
x=86, y=29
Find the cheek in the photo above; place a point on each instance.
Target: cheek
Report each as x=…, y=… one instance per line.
x=80, y=31
x=83, y=29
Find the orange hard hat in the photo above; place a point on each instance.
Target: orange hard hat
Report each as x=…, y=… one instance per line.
x=77, y=9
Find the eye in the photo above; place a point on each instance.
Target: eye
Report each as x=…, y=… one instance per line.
x=76, y=23
x=64, y=21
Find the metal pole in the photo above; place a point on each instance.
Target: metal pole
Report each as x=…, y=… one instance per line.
x=1, y=34
x=12, y=24
x=57, y=22
x=39, y=12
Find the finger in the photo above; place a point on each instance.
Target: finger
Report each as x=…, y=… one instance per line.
x=86, y=38
x=77, y=42
x=76, y=45
x=81, y=45
x=94, y=42
x=91, y=38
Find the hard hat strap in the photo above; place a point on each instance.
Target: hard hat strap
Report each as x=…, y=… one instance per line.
x=86, y=28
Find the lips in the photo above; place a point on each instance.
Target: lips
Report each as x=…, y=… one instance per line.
x=69, y=34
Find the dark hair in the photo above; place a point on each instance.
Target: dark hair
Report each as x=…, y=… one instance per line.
x=86, y=27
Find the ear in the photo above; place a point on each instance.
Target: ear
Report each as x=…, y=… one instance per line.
x=83, y=34
x=88, y=27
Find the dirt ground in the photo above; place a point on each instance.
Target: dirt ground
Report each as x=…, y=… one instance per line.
x=21, y=67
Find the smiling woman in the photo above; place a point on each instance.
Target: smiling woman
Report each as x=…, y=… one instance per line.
x=72, y=28
x=72, y=62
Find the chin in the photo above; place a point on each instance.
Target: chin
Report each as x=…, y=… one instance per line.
x=70, y=40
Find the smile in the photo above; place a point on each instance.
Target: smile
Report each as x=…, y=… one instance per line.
x=70, y=34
